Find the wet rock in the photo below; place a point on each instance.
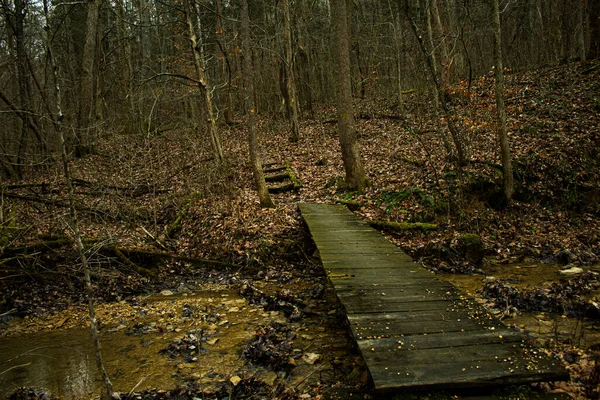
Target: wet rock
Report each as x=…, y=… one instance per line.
x=472, y=247
x=271, y=347
x=27, y=393
x=270, y=378
x=311, y=358
x=571, y=271
x=188, y=347
x=235, y=380
x=167, y=293
x=316, y=291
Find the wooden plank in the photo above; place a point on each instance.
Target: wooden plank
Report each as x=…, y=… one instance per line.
x=385, y=307
x=463, y=374
x=444, y=340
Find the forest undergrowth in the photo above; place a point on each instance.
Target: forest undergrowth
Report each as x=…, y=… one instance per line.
x=155, y=209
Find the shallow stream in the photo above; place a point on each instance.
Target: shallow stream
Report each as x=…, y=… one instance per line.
x=63, y=361
x=544, y=326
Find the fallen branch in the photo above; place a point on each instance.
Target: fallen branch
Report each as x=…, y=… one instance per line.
x=403, y=226
x=193, y=260
x=41, y=246
x=140, y=270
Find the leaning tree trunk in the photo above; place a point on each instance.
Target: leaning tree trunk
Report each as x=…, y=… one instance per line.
x=289, y=72
x=107, y=387
x=204, y=87
x=353, y=165
x=507, y=171
x=259, y=178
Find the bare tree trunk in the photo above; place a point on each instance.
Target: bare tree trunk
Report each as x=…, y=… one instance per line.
x=434, y=80
x=87, y=112
x=289, y=72
x=204, y=87
x=259, y=179
x=15, y=19
x=225, y=64
x=594, y=21
x=507, y=171
x=398, y=47
x=581, y=29
x=441, y=36
x=107, y=389
x=355, y=173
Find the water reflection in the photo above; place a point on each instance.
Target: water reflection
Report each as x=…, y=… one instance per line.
x=57, y=360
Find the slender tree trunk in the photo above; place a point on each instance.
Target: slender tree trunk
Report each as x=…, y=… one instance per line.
x=289, y=72
x=355, y=173
x=594, y=21
x=227, y=103
x=87, y=111
x=443, y=47
x=107, y=391
x=435, y=86
x=15, y=19
x=204, y=87
x=398, y=47
x=581, y=29
x=507, y=171
x=259, y=179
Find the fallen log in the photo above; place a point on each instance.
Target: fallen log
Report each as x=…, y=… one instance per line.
x=402, y=226
x=44, y=245
x=352, y=205
x=140, y=270
x=193, y=260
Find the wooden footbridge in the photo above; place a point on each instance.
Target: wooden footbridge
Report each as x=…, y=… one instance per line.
x=414, y=330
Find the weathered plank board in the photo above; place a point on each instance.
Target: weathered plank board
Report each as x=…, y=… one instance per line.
x=415, y=331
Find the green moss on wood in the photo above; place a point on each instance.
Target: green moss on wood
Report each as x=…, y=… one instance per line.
x=403, y=226
x=352, y=205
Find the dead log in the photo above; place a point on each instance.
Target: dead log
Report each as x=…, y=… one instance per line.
x=403, y=226
x=194, y=260
x=140, y=270
x=352, y=205
x=43, y=246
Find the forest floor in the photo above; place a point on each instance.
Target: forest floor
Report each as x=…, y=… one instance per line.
x=168, y=209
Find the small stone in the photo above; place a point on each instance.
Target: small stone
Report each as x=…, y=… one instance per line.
x=235, y=380
x=166, y=293
x=311, y=358
x=270, y=378
x=571, y=271
x=212, y=342
x=234, y=309
x=307, y=337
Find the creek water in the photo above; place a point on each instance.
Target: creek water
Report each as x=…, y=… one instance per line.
x=541, y=325
x=63, y=361
x=222, y=323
